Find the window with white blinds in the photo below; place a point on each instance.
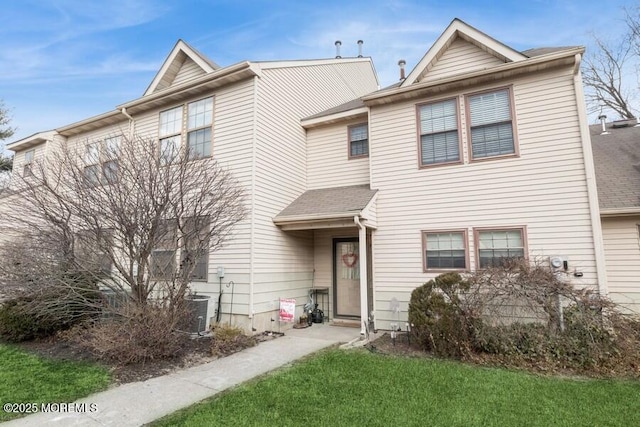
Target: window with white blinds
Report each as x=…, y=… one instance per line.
x=491, y=124
x=439, y=140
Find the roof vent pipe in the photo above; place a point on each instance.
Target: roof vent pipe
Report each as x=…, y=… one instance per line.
x=338, y=43
x=603, y=120
x=360, y=48
x=401, y=64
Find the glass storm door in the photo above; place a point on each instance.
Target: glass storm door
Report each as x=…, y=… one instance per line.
x=346, y=277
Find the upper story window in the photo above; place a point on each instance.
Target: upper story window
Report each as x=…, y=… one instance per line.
x=101, y=161
x=170, y=134
x=439, y=137
x=199, y=120
x=494, y=246
x=358, y=140
x=490, y=124
x=28, y=163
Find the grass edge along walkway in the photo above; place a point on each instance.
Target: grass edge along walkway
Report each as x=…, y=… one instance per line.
x=339, y=387
x=30, y=379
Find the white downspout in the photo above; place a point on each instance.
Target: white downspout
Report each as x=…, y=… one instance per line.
x=132, y=123
x=252, y=227
x=364, y=311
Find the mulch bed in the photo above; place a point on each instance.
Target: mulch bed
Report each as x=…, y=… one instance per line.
x=198, y=350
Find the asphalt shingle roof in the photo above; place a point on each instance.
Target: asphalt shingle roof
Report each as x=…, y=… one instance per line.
x=617, y=163
x=327, y=201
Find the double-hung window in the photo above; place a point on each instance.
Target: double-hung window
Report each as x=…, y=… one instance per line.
x=110, y=164
x=439, y=137
x=170, y=133
x=197, y=124
x=101, y=161
x=163, y=255
x=496, y=246
x=195, y=252
x=92, y=249
x=28, y=162
x=199, y=121
x=445, y=250
x=490, y=124
x=358, y=141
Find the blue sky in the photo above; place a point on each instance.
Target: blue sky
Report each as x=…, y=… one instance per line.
x=65, y=60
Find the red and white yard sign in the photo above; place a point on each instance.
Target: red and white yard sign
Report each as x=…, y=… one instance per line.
x=287, y=309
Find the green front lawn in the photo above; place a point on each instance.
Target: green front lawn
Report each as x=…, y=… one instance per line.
x=357, y=388
x=26, y=378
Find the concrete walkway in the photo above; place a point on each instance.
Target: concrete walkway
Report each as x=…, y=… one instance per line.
x=135, y=404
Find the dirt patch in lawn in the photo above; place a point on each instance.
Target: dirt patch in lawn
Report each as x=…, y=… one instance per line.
x=402, y=345
x=198, y=350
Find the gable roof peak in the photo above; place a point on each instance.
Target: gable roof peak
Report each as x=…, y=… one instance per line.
x=460, y=29
x=179, y=54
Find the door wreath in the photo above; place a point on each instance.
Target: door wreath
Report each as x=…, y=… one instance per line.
x=350, y=259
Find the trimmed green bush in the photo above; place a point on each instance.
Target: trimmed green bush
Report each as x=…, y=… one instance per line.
x=438, y=319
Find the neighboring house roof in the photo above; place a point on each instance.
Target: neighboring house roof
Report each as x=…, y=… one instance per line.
x=327, y=203
x=538, y=51
x=31, y=140
x=616, y=156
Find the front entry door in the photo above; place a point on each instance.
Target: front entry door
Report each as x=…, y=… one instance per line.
x=346, y=277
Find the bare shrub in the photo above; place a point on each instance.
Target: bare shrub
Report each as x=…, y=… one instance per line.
x=228, y=339
x=139, y=334
x=523, y=314
x=140, y=222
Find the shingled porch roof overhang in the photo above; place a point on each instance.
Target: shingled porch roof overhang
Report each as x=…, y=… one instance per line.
x=328, y=208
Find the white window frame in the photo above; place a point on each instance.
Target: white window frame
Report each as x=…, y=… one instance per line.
x=101, y=161
x=199, y=122
x=29, y=157
x=194, y=128
x=170, y=133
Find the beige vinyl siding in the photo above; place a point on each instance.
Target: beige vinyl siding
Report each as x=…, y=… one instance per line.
x=233, y=111
x=19, y=160
x=285, y=96
x=232, y=148
x=188, y=71
x=328, y=163
x=544, y=189
x=622, y=255
x=77, y=142
x=461, y=57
